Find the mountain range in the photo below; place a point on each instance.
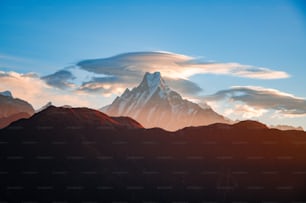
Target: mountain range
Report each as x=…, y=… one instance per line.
x=154, y=104
x=12, y=109
x=83, y=155
x=67, y=117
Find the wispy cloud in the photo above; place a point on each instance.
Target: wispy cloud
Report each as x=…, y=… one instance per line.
x=13, y=58
x=173, y=66
x=106, y=86
x=253, y=101
x=35, y=90
x=101, y=78
x=126, y=70
x=61, y=79
x=184, y=86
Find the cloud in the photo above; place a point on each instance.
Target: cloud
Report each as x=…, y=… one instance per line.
x=13, y=58
x=104, y=85
x=60, y=79
x=188, y=87
x=32, y=88
x=258, y=100
x=172, y=65
x=93, y=82
x=127, y=70
x=113, y=85
x=245, y=111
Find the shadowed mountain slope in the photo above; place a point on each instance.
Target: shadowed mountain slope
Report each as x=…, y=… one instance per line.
x=49, y=158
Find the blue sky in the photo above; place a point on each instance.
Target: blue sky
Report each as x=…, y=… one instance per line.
x=46, y=36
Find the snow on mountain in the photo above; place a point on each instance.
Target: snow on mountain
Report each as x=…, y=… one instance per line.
x=44, y=107
x=47, y=105
x=6, y=93
x=154, y=104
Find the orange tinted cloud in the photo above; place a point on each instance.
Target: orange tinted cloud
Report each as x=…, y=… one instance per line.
x=32, y=88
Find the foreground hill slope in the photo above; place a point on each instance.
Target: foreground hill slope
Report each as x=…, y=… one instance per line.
x=62, y=117
x=49, y=158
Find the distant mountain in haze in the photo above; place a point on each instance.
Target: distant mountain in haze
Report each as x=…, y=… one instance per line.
x=12, y=109
x=62, y=117
x=43, y=107
x=154, y=104
x=83, y=155
x=286, y=127
x=6, y=93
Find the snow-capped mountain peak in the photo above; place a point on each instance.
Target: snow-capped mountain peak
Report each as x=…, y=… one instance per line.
x=44, y=107
x=154, y=104
x=7, y=94
x=12, y=109
x=152, y=81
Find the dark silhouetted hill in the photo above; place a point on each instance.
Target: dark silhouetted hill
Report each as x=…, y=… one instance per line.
x=81, y=155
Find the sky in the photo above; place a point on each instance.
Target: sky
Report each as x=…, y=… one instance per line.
x=246, y=59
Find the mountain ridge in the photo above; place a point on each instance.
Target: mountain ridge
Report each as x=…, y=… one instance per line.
x=109, y=164
x=6, y=93
x=154, y=104
x=12, y=109
x=61, y=117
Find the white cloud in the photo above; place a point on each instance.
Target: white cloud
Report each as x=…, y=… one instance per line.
x=32, y=88
x=127, y=70
x=244, y=111
x=173, y=65
x=256, y=101
x=93, y=83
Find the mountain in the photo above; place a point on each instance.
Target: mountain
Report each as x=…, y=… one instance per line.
x=154, y=104
x=12, y=109
x=43, y=107
x=286, y=127
x=83, y=155
x=61, y=117
x=6, y=93
x=249, y=124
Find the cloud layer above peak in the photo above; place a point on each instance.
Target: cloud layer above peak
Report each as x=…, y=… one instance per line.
x=114, y=74
x=96, y=80
x=172, y=65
